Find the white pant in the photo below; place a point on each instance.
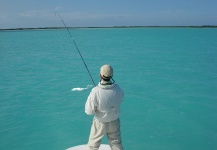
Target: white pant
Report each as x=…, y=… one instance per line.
x=99, y=129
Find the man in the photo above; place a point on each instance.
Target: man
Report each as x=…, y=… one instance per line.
x=104, y=103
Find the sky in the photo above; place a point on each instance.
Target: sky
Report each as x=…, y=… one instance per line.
x=106, y=13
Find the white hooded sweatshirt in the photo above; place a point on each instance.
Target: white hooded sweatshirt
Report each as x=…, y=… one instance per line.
x=104, y=102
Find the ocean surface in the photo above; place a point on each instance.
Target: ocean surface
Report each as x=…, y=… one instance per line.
x=168, y=75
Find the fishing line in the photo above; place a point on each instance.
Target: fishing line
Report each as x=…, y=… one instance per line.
x=76, y=48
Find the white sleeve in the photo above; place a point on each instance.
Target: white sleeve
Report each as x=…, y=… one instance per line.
x=89, y=106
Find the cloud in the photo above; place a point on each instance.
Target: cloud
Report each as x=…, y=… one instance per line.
x=3, y=16
x=76, y=15
x=92, y=15
x=28, y=14
x=34, y=13
x=58, y=8
x=50, y=15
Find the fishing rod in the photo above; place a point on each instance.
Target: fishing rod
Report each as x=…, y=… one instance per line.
x=76, y=48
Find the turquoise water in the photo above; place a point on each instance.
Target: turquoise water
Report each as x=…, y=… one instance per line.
x=168, y=75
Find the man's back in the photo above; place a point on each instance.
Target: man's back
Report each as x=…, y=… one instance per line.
x=107, y=100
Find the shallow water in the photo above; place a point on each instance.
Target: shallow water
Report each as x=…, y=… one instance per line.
x=168, y=75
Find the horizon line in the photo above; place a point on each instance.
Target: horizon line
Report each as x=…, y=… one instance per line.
x=187, y=26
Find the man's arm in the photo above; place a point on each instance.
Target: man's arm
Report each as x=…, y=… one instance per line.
x=89, y=106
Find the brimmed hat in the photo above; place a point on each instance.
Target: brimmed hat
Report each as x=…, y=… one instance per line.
x=106, y=71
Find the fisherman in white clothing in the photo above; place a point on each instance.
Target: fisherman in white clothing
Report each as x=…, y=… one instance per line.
x=104, y=103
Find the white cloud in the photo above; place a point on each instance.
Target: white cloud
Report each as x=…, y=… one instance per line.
x=58, y=8
x=35, y=13
x=3, y=16
x=92, y=15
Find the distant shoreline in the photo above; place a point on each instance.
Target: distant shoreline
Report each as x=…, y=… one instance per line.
x=52, y=28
